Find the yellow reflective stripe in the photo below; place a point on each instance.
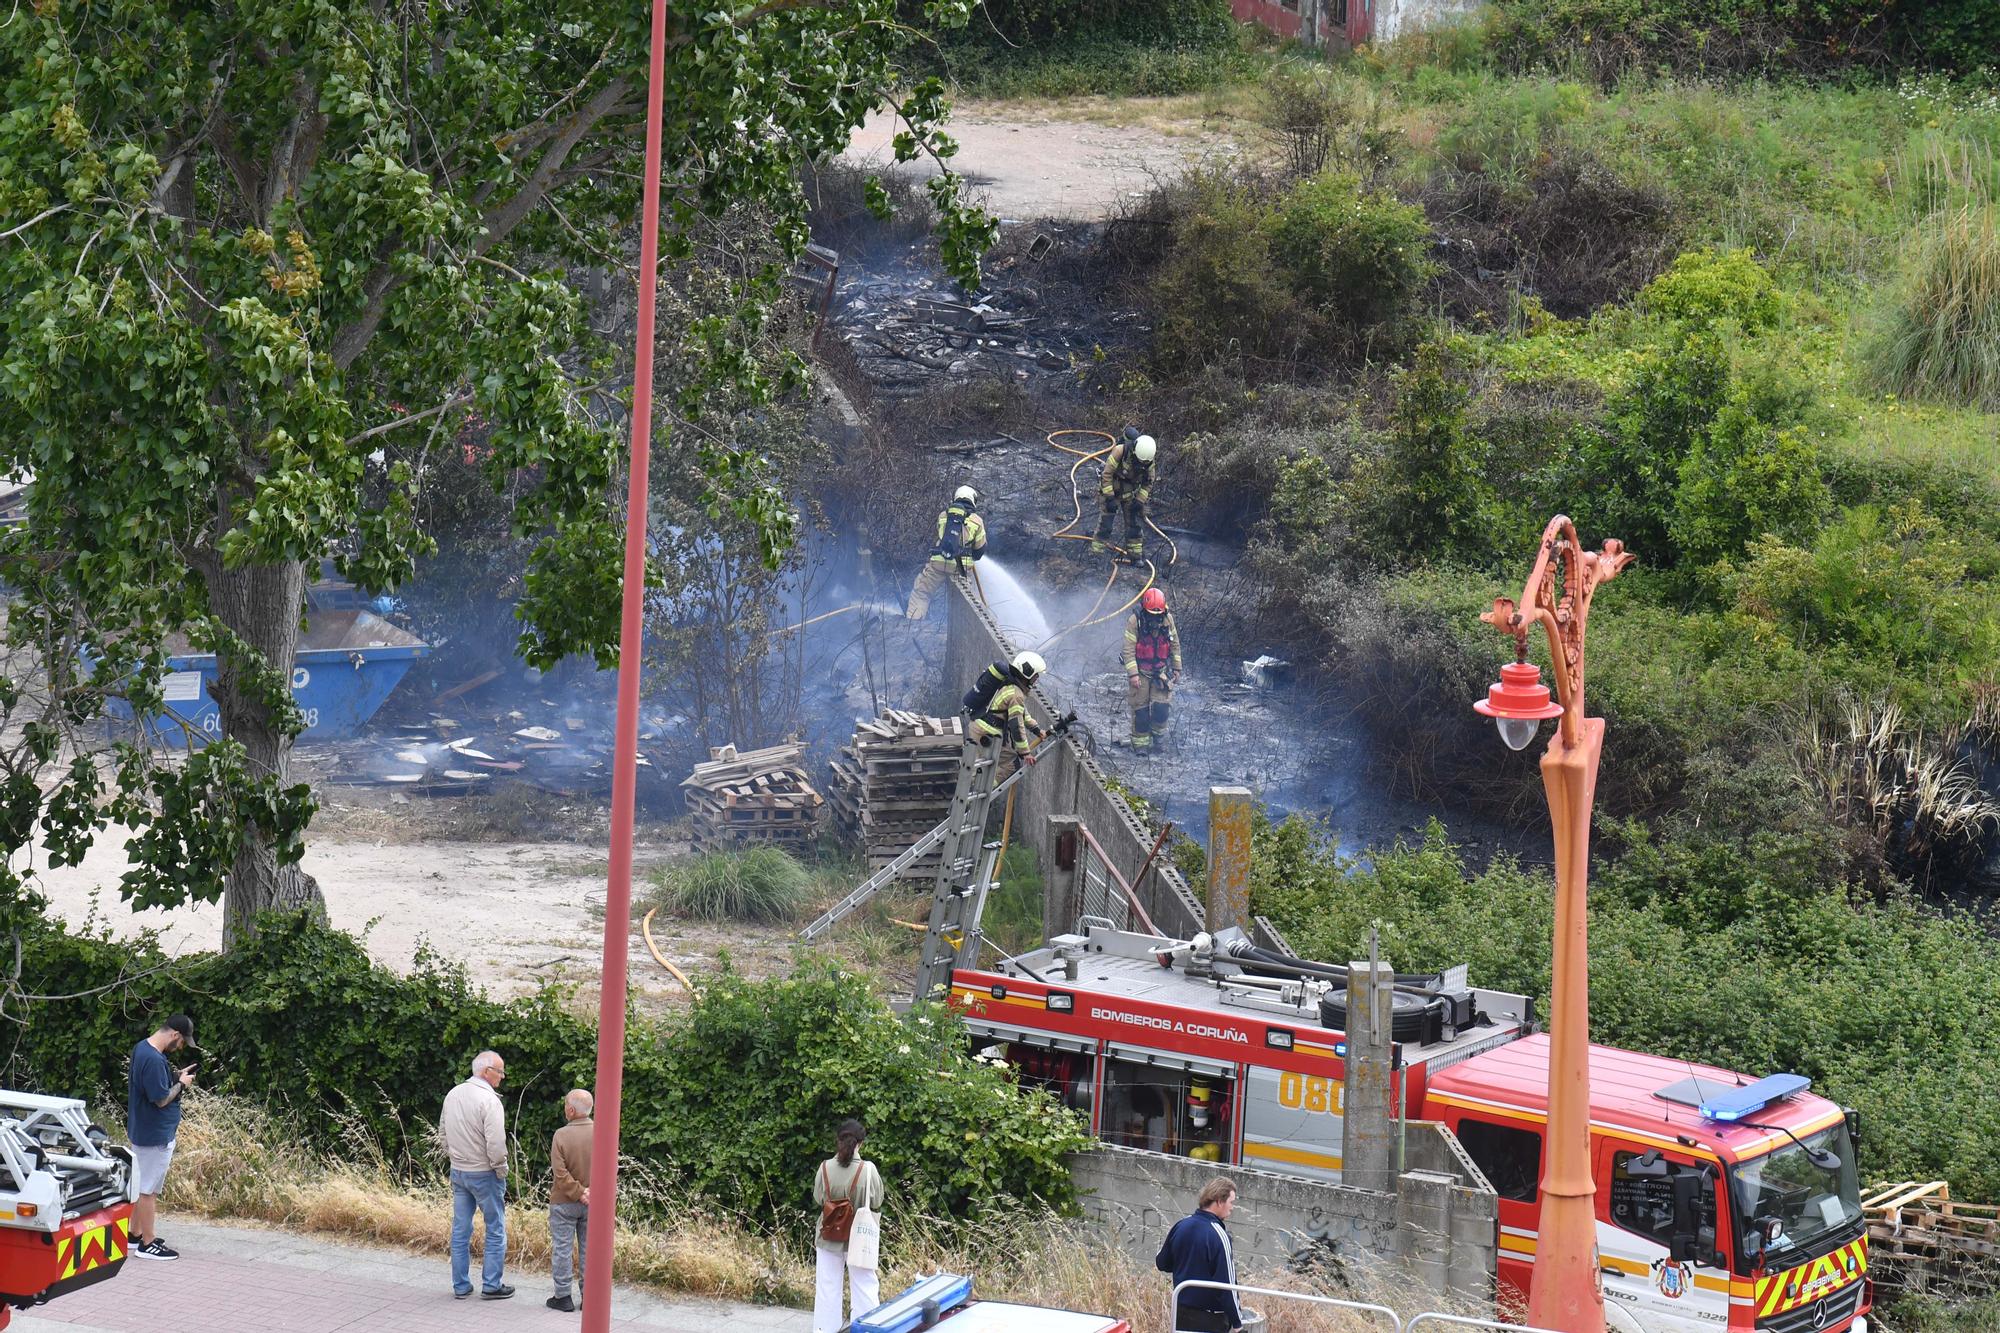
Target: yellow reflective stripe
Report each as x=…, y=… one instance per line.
x=1272, y=1152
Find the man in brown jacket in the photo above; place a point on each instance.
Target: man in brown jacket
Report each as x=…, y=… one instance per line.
x=569, y=1197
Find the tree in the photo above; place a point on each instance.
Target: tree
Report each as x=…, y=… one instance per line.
x=258, y=256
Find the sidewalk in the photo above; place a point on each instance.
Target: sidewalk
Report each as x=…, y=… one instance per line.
x=253, y=1281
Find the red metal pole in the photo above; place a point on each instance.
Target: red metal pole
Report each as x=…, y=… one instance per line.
x=625, y=754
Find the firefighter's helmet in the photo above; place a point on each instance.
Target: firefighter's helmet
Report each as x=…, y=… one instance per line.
x=1153, y=600
x=1143, y=448
x=965, y=495
x=1029, y=665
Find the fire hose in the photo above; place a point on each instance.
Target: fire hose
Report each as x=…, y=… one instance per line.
x=1066, y=533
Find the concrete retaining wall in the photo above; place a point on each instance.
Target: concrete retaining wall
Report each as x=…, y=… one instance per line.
x=1439, y=1229
x=1065, y=782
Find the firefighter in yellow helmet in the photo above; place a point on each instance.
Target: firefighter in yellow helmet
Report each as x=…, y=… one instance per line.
x=961, y=539
x=1127, y=484
x=998, y=706
x=1152, y=666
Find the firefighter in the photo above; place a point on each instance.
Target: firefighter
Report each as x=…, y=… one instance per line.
x=1001, y=711
x=1127, y=484
x=961, y=537
x=1022, y=670
x=1152, y=666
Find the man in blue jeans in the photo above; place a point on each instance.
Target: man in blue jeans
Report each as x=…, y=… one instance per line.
x=474, y=1129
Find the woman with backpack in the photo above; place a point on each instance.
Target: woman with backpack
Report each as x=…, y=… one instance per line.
x=844, y=1184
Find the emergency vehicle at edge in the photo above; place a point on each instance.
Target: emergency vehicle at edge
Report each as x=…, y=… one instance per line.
x=1722, y=1202
x=66, y=1196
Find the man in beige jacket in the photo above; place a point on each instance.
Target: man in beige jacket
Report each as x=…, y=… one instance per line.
x=569, y=1197
x=474, y=1129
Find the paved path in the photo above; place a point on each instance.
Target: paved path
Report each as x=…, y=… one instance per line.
x=245, y=1281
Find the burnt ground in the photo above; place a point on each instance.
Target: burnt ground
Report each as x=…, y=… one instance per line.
x=966, y=387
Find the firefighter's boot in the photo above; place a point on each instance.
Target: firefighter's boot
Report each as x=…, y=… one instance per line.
x=1157, y=723
x=1098, y=547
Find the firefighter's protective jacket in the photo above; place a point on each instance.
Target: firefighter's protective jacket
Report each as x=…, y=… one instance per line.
x=1152, y=645
x=1007, y=715
x=1125, y=478
x=961, y=536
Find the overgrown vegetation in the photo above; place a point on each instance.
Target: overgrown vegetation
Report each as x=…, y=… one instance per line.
x=354, y=1054
x=1716, y=948
x=764, y=884
x=1615, y=37
x=1068, y=48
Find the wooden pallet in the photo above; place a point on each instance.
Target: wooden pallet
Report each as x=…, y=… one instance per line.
x=1918, y=1233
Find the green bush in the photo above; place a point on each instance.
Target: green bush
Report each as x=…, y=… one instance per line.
x=1217, y=292
x=1505, y=127
x=1940, y=337
x=1908, y=606
x=1703, y=288
x=1426, y=495
x=1358, y=261
x=760, y=884
x=1318, y=271
x=735, y=1100
x=1703, y=452
x=1713, y=949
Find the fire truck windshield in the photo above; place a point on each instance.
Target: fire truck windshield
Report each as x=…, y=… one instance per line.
x=1786, y=1202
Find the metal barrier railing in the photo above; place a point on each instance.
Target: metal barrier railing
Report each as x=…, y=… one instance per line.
x=1125, y=904
x=1460, y=1321
x=1395, y=1321
x=1099, y=898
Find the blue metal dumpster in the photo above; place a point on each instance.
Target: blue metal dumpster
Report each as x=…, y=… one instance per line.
x=347, y=664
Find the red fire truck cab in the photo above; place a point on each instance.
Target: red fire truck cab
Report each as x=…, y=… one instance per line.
x=1723, y=1202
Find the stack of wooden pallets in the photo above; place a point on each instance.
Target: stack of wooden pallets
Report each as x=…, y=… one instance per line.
x=895, y=783
x=751, y=797
x=1920, y=1237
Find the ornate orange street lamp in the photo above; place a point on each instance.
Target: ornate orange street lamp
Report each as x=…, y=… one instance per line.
x=1564, y=1293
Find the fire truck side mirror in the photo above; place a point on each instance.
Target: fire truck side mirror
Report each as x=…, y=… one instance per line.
x=1854, y=1127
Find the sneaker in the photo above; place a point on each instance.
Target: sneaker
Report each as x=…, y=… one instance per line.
x=563, y=1303
x=155, y=1249
x=499, y=1293
x=462, y=1295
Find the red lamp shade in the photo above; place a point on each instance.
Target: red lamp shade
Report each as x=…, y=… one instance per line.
x=1518, y=704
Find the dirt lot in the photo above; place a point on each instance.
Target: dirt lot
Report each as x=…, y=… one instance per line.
x=516, y=913
x=1032, y=166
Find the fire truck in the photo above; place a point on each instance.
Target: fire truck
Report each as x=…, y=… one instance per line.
x=1722, y=1202
x=66, y=1196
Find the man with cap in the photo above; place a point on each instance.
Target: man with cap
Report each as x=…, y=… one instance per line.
x=152, y=1119
x=1127, y=484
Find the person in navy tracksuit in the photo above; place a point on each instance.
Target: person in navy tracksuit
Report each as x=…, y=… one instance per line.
x=1197, y=1249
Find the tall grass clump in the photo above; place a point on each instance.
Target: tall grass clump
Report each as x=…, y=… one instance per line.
x=761, y=884
x=1941, y=335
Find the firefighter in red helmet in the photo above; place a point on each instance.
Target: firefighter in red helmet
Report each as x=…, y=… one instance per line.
x=1152, y=667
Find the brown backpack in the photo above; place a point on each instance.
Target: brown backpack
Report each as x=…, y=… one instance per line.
x=836, y=1216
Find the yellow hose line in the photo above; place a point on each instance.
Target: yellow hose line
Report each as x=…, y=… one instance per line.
x=1065, y=533
x=646, y=929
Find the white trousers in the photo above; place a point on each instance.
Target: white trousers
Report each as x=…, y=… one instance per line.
x=826, y=1290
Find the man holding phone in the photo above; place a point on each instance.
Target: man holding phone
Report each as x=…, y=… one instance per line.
x=153, y=1118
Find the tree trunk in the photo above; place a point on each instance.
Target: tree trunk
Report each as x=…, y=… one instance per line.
x=263, y=604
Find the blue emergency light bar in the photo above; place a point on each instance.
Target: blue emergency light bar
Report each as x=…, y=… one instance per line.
x=905, y=1313
x=1735, y=1103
